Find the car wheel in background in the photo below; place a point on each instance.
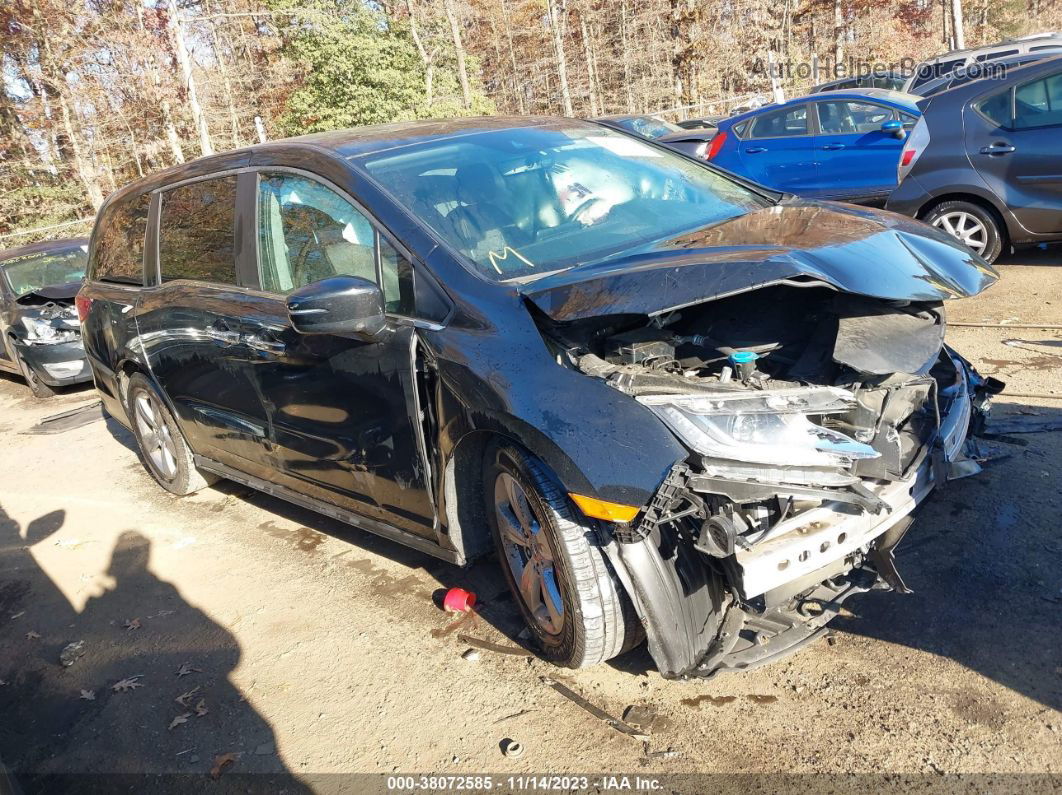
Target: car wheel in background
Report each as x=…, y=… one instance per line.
x=163, y=450
x=971, y=224
x=39, y=389
x=565, y=588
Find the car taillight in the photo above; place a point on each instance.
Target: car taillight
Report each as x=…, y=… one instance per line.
x=83, y=304
x=716, y=145
x=913, y=148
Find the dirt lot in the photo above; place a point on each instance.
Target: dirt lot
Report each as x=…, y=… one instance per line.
x=308, y=646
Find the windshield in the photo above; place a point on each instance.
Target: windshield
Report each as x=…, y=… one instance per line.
x=647, y=126
x=34, y=271
x=526, y=201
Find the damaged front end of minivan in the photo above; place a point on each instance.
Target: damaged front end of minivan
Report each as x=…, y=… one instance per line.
x=816, y=420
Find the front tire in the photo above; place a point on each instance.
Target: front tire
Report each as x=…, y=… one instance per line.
x=564, y=587
x=163, y=450
x=971, y=224
x=40, y=390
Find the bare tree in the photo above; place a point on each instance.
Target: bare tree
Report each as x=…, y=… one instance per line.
x=459, y=48
x=558, y=16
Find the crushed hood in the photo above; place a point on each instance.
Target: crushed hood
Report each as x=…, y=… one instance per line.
x=62, y=293
x=853, y=249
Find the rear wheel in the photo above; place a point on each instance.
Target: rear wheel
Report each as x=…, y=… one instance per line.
x=163, y=450
x=971, y=224
x=565, y=588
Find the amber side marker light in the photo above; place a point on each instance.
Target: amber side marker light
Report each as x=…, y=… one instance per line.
x=609, y=511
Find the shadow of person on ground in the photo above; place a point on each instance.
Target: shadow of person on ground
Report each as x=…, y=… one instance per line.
x=149, y=695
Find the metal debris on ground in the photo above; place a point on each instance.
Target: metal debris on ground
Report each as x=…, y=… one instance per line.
x=596, y=711
x=471, y=655
x=670, y=753
x=68, y=420
x=639, y=716
x=517, y=651
x=71, y=653
x=511, y=748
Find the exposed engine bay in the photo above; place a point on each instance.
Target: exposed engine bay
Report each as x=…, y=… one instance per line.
x=815, y=421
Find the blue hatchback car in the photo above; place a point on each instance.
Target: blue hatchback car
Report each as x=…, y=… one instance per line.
x=841, y=145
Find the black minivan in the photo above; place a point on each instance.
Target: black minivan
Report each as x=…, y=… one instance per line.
x=680, y=405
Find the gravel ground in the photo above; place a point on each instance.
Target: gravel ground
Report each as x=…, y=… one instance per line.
x=311, y=648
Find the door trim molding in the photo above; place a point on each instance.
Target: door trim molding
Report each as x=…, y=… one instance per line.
x=348, y=517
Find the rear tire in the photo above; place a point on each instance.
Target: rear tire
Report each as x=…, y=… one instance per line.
x=971, y=224
x=596, y=620
x=39, y=389
x=163, y=450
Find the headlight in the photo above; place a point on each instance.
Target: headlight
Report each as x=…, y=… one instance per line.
x=37, y=329
x=769, y=427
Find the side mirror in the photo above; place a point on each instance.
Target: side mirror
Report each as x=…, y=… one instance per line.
x=894, y=127
x=338, y=305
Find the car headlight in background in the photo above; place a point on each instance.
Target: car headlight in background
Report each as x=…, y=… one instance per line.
x=768, y=427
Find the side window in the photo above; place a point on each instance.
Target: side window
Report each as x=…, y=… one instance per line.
x=118, y=253
x=996, y=108
x=908, y=120
x=308, y=232
x=1038, y=104
x=840, y=117
x=196, y=238
x=995, y=56
x=782, y=123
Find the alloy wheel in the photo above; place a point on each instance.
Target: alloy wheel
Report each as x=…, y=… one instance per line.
x=528, y=554
x=966, y=227
x=155, y=436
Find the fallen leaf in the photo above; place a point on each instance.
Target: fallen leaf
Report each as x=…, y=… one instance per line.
x=222, y=763
x=127, y=684
x=88, y=695
x=134, y=624
x=180, y=719
x=201, y=708
x=18, y=615
x=32, y=635
x=185, y=699
x=186, y=669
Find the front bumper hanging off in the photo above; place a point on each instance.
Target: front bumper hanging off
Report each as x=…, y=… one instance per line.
x=782, y=591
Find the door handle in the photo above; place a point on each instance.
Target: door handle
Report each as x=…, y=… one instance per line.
x=264, y=344
x=833, y=147
x=997, y=149
x=755, y=150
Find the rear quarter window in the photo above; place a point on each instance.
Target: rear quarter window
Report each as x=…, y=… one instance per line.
x=118, y=248
x=196, y=231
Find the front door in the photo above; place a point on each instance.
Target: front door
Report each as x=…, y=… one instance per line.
x=777, y=152
x=854, y=158
x=190, y=326
x=343, y=413
x=1015, y=148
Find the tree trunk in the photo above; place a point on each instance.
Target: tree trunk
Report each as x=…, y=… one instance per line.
x=626, y=57
x=956, y=24
x=426, y=59
x=591, y=82
x=517, y=88
x=172, y=139
x=838, y=35
x=205, y=147
x=462, y=71
x=557, y=19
